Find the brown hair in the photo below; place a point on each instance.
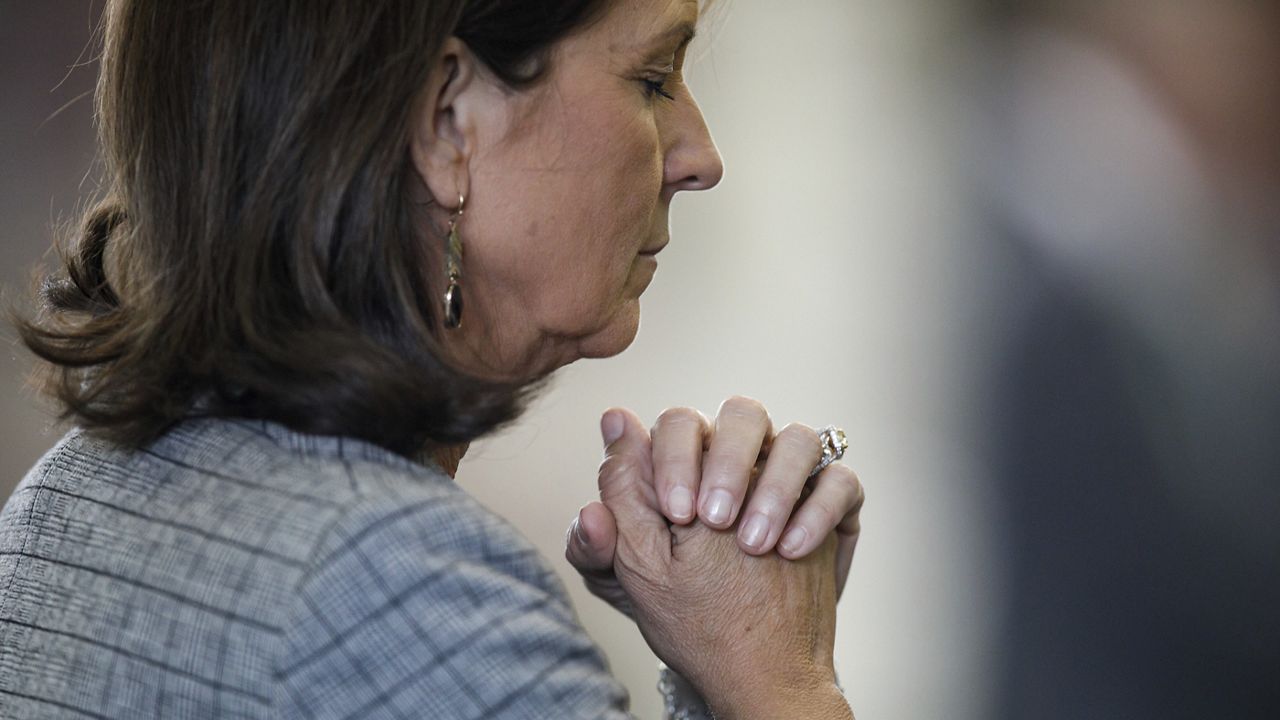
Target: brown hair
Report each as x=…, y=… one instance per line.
x=256, y=253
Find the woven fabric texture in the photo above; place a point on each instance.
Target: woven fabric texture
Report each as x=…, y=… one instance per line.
x=235, y=569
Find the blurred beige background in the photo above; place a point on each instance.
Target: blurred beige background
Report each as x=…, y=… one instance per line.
x=828, y=276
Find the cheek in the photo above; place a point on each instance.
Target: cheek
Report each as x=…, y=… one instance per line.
x=618, y=215
x=582, y=197
x=620, y=190
x=606, y=211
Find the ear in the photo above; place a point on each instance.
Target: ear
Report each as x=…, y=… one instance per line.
x=445, y=124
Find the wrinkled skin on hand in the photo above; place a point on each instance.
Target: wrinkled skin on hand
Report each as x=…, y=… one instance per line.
x=718, y=616
x=681, y=443
x=708, y=599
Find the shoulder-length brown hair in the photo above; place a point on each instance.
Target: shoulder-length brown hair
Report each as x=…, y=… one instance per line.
x=256, y=254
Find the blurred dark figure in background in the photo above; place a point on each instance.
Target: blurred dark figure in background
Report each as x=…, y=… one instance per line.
x=1132, y=164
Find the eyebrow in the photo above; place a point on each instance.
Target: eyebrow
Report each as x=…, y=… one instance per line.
x=685, y=31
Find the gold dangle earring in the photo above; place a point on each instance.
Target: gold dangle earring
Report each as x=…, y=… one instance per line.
x=453, y=270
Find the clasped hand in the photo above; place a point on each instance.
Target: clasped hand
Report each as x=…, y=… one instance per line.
x=682, y=541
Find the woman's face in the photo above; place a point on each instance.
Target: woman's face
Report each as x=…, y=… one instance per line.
x=568, y=190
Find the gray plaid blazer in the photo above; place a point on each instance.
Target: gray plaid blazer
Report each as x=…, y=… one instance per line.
x=235, y=569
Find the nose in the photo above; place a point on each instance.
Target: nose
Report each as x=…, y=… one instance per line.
x=692, y=160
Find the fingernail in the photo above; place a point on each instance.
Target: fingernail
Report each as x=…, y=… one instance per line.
x=754, y=532
x=680, y=501
x=794, y=539
x=611, y=426
x=718, y=506
x=579, y=531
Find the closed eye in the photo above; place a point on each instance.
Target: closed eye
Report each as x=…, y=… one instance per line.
x=657, y=87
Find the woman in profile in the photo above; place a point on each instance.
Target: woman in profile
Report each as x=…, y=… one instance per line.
x=339, y=242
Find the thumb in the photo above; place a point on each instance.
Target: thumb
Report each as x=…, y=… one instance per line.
x=626, y=475
x=589, y=544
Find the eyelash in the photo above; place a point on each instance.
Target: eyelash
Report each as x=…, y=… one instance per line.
x=657, y=88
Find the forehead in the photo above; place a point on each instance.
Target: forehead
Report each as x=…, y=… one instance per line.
x=637, y=24
x=629, y=34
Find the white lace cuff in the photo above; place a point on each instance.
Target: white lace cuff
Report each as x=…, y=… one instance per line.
x=679, y=699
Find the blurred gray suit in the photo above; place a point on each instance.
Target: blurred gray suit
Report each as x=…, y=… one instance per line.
x=236, y=569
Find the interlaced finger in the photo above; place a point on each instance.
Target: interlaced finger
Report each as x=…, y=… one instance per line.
x=679, y=438
x=743, y=431
x=834, y=504
x=793, y=453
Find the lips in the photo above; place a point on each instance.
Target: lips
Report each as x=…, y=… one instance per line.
x=654, y=250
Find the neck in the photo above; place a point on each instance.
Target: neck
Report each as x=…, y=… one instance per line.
x=448, y=457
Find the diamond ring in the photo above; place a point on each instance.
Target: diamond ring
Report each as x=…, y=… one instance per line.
x=834, y=443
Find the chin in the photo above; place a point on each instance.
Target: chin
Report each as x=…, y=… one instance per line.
x=614, y=337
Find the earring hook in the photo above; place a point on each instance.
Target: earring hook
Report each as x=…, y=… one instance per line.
x=457, y=214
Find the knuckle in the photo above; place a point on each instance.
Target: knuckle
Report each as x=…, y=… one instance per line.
x=771, y=502
x=675, y=416
x=618, y=465
x=778, y=486
x=825, y=516
x=800, y=437
x=793, y=428
x=670, y=474
x=847, y=482
x=744, y=407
